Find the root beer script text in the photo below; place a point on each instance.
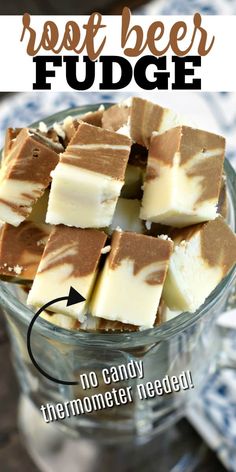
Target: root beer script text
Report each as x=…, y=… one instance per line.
x=86, y=42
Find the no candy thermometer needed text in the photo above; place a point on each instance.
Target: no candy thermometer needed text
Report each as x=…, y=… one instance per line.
x=137, y=391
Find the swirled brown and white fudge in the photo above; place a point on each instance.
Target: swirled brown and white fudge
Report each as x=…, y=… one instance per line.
x=147, y=171
x=183, y=177
x=130, y=285
x=138, y=118
x=70, y=124
x=24, y=175
x=88, y=178
x=70, y=258
x=21, y=249
x=49, y=136
x=203, y=255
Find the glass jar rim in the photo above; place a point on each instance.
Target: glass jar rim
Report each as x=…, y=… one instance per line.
x=119, y=340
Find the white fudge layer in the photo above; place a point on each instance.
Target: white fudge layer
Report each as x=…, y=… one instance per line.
x=63, y=321
x=190, y=279
x=82, y=198
x=122, y=296
x=172, y=197
x=183, y=177
x=15, y=204
x=57, y=282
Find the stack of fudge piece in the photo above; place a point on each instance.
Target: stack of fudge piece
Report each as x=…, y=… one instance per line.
x=127, y=205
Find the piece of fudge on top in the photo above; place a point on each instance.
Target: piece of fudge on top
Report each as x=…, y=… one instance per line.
x=70, y=124
x=130, y=285
x=88, y=178
x=138, y=118
x=47, y=135
x=117, y=116
x=203, y=255
x=183, y=177
x=24, y=175
x=70, y=258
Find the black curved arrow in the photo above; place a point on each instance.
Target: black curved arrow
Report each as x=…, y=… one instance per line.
x=73, y=298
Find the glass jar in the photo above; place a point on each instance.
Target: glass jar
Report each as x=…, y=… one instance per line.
x=189, y=342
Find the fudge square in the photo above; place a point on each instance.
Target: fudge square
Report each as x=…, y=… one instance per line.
x=203, y=254
x=138, y=118
x=21, y=249
x=147, y=117
x=24, y=175
x=70, y=124
x=70, y=258
x=183, y=177
x=130, y=285
x=88, y=178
